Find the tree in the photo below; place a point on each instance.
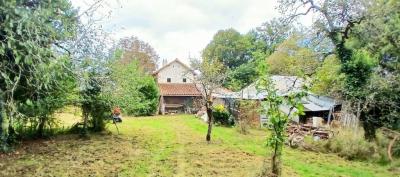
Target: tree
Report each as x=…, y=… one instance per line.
x=277, y=119
x=29, y=33
x=242, y=53
x=134, y=91
x=140, y=51
x=37, y=112
x=90, y=55
x=290, y=58
x=328, y=80
x=238, y=53
x=272, y=33
x=337, y=20
x=229, y=47
x=212, y=75
x=241, y=76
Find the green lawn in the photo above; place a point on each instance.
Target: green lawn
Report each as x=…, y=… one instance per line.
x=171, y=146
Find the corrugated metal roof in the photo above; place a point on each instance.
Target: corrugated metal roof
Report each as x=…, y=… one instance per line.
x=283, y=84
x=318, y=103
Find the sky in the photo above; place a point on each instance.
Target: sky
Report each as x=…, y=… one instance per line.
x=180, y=28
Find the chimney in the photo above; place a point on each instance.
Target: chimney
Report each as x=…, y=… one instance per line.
x=164, y=62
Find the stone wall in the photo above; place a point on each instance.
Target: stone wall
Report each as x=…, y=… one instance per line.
x=176, y=72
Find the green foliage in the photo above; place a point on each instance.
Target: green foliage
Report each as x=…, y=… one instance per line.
x=134, y=91
x=211, y=78
x=95, y=104
x=37, y=111
x=350, y=144
x=382, y=107
x=222, y=116
x=99, y=113
x=229, y=47
x=239, y=55
x=378, y=34
x=328, y=80
x=30, y=32
x=149, y=95
x=277, y=119
x=358, y=71
x=365, y=41
x=247, y=109
x=290, y=58
x=242, y=76
x=271, y=34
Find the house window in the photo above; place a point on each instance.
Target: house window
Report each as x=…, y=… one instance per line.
x=184, y=80
x=168, y=79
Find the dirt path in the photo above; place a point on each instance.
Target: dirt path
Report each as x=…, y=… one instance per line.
x=184, y=139
x=195, y=157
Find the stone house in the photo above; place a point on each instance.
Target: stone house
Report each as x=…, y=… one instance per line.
x=178, y=92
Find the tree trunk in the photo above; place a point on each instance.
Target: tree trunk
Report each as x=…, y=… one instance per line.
x=42, y=122
x=10, y=132
x=85, y=116
x=210, y=121
x=369, y=130
x=3, y=131
x=276, y=160
x=1, y=121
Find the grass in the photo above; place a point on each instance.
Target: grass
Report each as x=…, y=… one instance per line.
x=171, y=146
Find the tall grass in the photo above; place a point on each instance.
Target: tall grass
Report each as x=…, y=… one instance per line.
x=350, y=144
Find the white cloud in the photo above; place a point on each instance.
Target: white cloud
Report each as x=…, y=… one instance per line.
x=176, y=28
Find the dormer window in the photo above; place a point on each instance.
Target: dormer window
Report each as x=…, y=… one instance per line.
x=184, y=80
x=168, y=79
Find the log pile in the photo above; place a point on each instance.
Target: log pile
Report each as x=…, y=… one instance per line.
x=297, y=133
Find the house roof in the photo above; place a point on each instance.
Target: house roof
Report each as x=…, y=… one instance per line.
x=177, y=61
x=175, y=89
x=319, y=103
x=314, y=103
x=222, y=92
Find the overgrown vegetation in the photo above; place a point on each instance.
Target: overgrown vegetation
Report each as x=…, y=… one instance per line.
x=246, y=111
x=53, y=56
x=222, y=116
x=173, y=146
x=277, y=119
x=134, y=91
x=33, y=75
x=350, y=144
x=354, y=38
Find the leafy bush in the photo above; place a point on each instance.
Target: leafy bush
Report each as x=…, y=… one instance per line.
x=247, y=112
x=99, y=113
x=222, y=116
x=135, y=92
x=148, y=91
x=351, y=148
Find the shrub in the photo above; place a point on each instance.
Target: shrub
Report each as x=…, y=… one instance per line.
x=134, y=91
x=222, y=116
x=247, y=110
x=350, y=144
x=351, y=148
